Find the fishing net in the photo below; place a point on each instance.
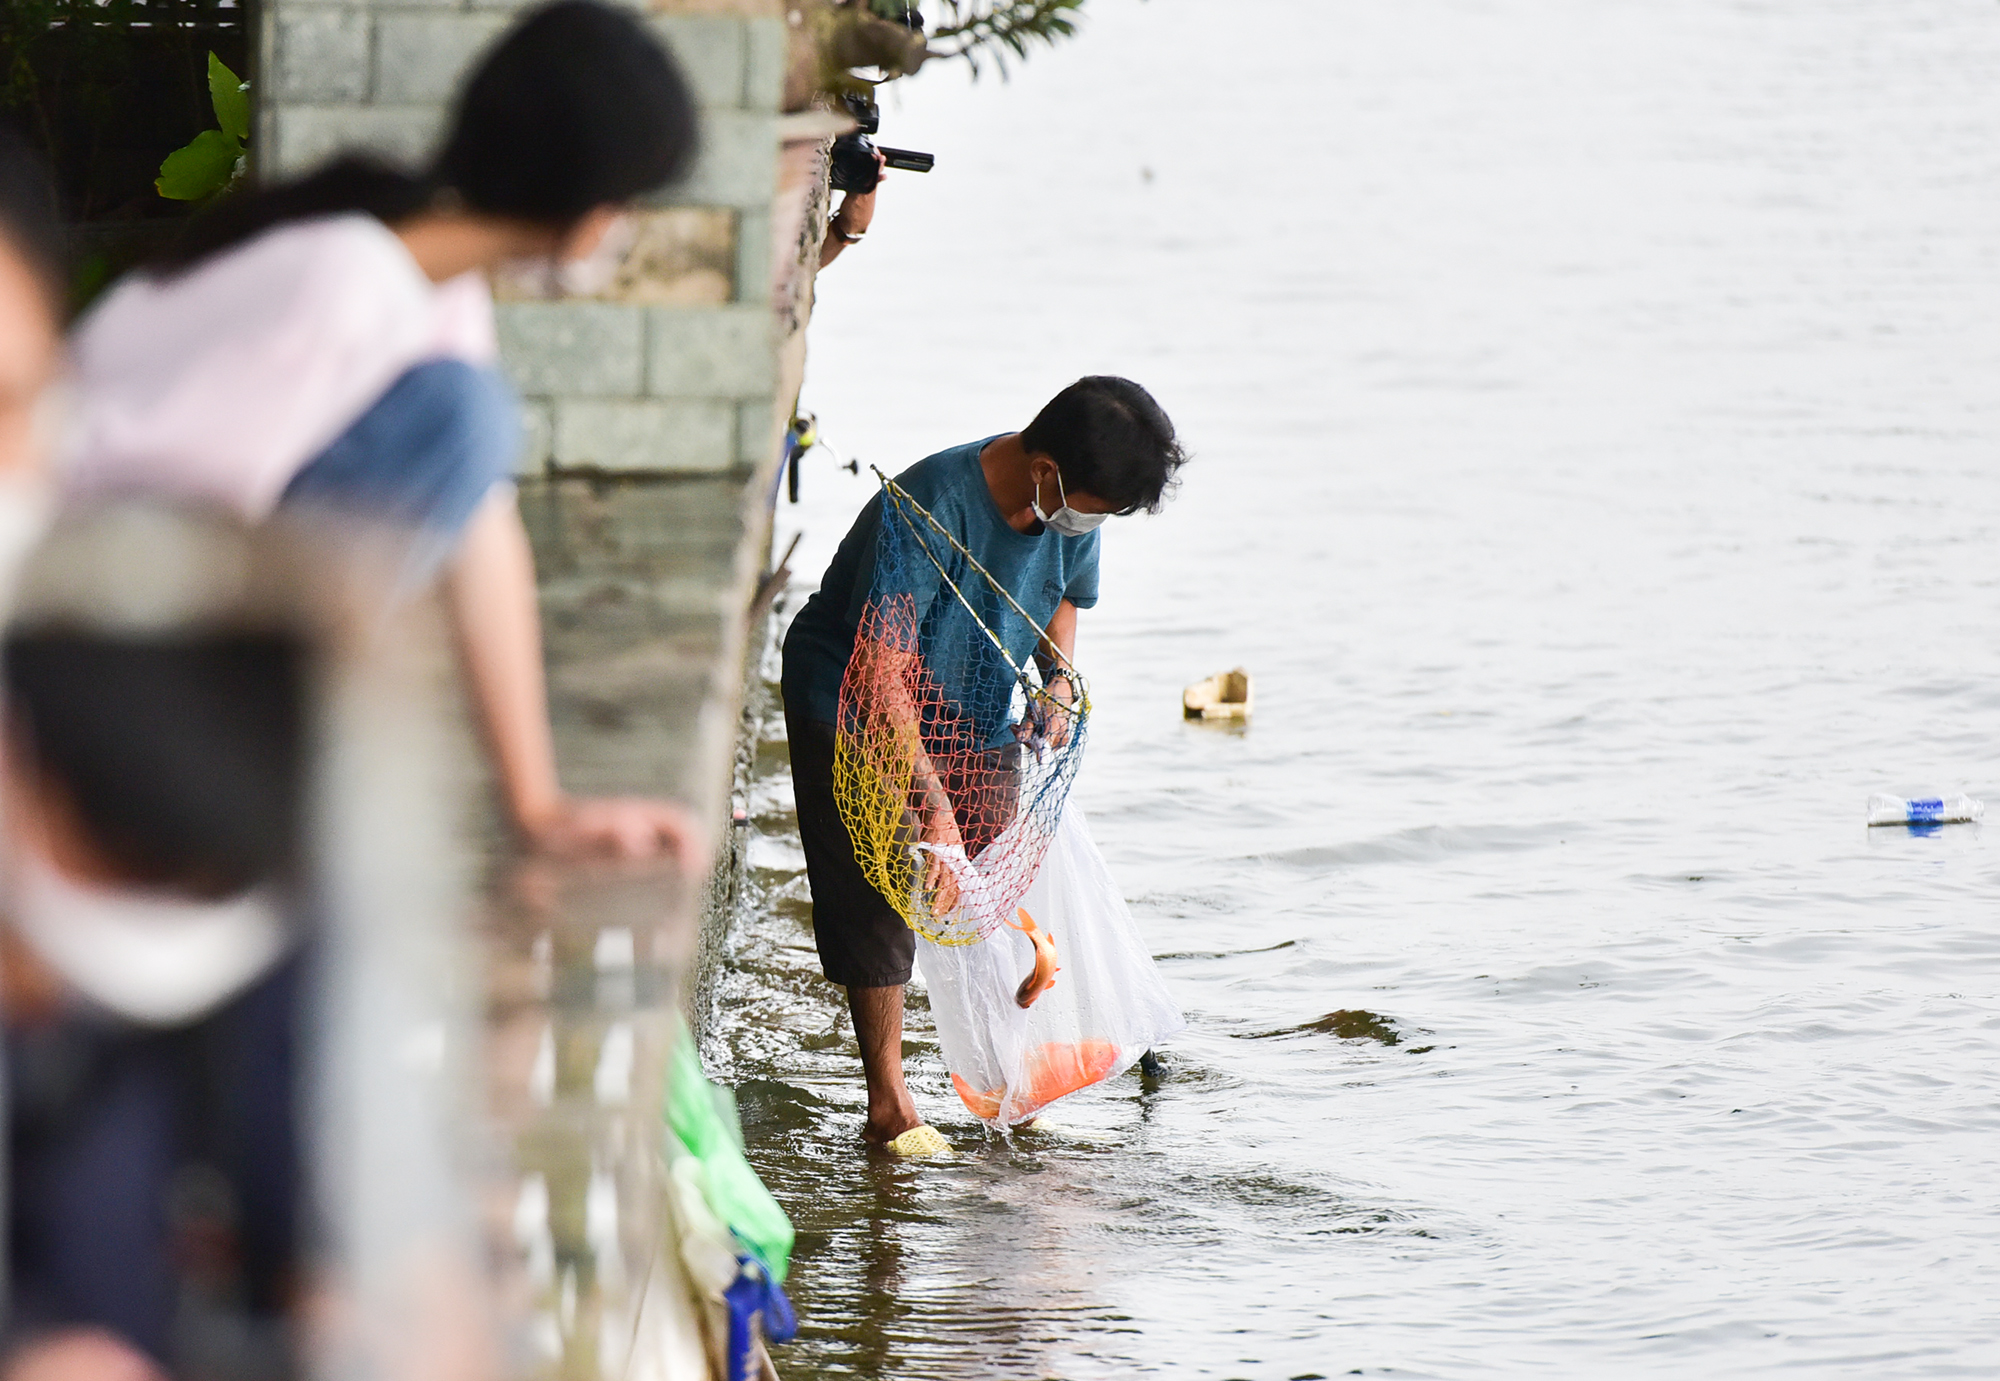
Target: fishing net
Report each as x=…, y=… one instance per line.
x=953, y=756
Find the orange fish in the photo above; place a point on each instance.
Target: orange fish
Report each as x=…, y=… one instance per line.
x=986, y=1105
x=1044, y=973
x=1054, y=1070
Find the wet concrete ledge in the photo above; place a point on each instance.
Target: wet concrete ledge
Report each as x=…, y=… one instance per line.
x=646, y=586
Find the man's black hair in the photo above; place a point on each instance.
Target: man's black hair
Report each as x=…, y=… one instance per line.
x=1109, y=438
x=29, y=222
x=185, y=759
x=578, y=106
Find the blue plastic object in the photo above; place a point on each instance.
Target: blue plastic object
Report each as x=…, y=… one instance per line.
x=755, y=1299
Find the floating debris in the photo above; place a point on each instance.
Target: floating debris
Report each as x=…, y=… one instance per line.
x=1884, y=809
x=1225, y=695
x=1356, y=1025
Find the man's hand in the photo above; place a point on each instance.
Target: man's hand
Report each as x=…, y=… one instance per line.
x=857, y=213
x=630, y=827
x=1063, y=700
x=940, y=878
x=1048, y=717
x=851, y=221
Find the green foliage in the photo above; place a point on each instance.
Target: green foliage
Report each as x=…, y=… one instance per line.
x=107, y=88
x=198, y=170
x=231, y=98
x=213, y=161
x=995, y=28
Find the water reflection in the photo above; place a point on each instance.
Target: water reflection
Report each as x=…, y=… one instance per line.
x=582, y=974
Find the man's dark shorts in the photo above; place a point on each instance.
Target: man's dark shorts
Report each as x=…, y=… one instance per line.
x=862, y=942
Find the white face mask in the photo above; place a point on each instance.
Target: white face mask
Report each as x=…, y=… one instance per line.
x=150, y=957
x=1066, y=521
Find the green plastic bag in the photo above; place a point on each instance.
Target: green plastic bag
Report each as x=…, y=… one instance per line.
x=703, y=1119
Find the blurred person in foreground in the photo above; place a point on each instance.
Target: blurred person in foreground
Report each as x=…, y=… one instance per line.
x=1026, y=505
x=217, y=780
x=153, y=794
x=329, y=342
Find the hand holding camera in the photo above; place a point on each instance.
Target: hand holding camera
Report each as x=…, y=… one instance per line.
x=857, y=160
x=857, y=168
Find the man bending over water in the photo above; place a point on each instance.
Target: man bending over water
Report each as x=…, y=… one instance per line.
x=1027, y=506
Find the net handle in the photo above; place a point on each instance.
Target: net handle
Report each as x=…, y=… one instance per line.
x=900, y=497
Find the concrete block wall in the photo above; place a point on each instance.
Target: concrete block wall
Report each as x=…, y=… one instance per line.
x=670, y=366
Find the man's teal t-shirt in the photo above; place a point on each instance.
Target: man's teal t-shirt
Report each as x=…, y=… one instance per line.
x=1039, y=571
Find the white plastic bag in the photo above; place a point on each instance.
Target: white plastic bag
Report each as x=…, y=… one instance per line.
x=1106, y=1007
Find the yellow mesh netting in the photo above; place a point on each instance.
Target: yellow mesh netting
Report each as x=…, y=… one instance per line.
x=952, y=756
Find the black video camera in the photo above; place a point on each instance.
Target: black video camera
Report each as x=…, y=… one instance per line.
x=854, y=165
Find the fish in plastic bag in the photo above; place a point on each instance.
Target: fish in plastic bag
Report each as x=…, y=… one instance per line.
x=1065, y=997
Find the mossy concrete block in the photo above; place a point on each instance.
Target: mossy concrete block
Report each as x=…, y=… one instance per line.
x=738, y=165
x=422, y=57
x=710, y=50
x=766, y=54
x=754, y=258
x=681, y=256
x=538, y=430
x=320, y=54
x=577, y=349
x=712, y=352
x=680, y=436
x=303, y=135
x=640, y=598
x=756, y=431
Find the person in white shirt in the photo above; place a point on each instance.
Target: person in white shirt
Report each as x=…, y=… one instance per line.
x=330, y=342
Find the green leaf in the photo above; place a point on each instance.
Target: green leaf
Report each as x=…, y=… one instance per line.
x=200, y=169
x=231, y=98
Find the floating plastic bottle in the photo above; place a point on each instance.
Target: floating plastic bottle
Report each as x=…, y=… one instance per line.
x=1884, y=809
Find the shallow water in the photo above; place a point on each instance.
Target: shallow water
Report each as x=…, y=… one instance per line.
x=1595, y=413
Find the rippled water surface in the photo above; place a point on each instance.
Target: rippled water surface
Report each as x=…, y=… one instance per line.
x=1594, y=404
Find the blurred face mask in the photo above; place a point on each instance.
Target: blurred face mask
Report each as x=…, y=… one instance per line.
x=150, y=957
x=1066, y=520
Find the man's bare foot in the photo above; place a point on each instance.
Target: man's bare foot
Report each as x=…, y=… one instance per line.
x=878, y=1030
x=885, y=1126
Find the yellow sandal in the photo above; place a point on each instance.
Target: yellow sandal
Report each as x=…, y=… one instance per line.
x=921, y=1142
